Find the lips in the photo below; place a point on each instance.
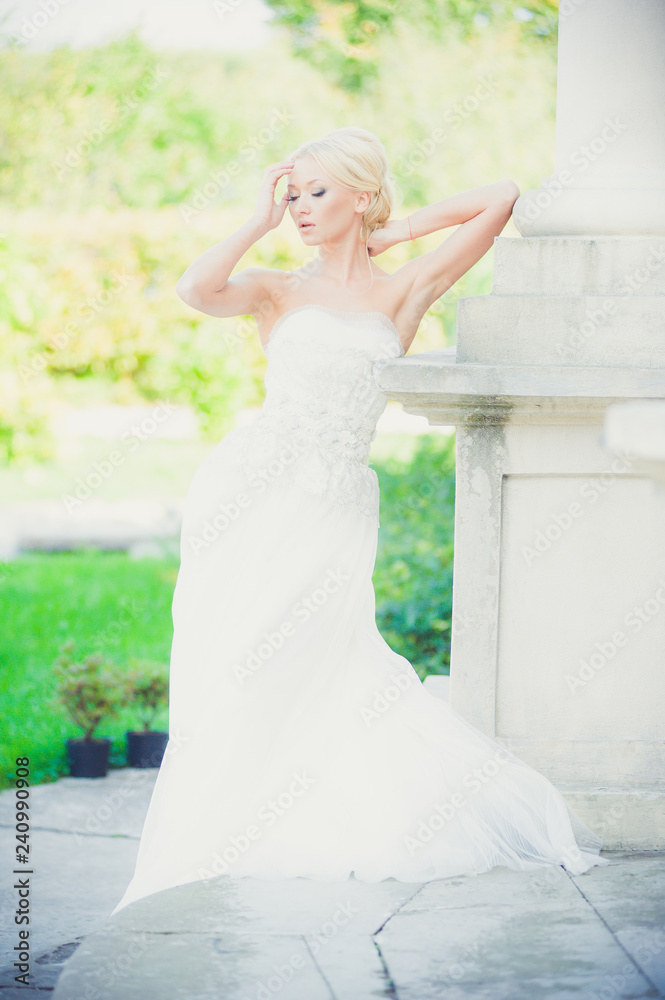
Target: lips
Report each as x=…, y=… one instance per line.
x=306, y=225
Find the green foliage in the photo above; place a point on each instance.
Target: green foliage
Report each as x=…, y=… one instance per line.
x=99, y=314
x=87, y=688
x=120, y=165
x=413, y=575
x=147, y=689
x=342, y=39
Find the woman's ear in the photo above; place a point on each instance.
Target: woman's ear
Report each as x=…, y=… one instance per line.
x=362, y=201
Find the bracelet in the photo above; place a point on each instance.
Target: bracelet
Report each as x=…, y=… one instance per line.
x=408, y=219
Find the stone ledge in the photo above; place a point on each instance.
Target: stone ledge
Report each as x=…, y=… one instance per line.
x=452, y=392
x=639, y=427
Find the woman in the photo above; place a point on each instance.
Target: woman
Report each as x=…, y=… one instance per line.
x=300, y=743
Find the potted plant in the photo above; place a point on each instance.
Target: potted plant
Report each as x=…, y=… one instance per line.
x=147, y=688
x=89, y=692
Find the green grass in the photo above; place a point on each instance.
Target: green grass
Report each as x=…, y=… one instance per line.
x=121, y=607
x=109, y=603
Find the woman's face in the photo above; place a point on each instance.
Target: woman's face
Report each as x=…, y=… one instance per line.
x=322, y=210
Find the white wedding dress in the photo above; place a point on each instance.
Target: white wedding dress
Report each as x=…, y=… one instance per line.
x=300, y=743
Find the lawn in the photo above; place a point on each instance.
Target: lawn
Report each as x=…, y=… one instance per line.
x=121, y=607
x=109, y=603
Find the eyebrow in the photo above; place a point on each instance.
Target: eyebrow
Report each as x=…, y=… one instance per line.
x=317, y=180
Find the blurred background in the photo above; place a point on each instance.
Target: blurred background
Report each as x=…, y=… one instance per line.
x=133, y=136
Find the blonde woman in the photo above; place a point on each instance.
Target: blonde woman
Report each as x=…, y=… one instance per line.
x=300, y=743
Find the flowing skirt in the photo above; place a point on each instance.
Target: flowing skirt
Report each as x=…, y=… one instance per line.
x=300, y=743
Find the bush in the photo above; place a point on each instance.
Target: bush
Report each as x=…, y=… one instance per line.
x=88, y=689
x=413, y=575
x=147, y=689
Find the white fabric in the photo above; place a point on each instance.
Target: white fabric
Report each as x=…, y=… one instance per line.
x=300, y=743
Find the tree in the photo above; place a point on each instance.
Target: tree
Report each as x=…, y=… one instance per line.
x=342, y=37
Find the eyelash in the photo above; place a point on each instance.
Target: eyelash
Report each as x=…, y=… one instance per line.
x=317, y=194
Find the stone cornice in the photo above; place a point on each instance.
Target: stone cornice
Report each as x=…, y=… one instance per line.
x=435, y=385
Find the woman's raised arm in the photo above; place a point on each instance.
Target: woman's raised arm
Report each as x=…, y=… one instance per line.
x=207, y=284
x=480, y=214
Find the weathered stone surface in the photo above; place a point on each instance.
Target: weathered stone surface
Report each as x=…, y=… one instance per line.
x=243, y=939
x=579, y=265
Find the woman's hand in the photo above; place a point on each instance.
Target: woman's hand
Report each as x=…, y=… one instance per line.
x=266, y=212
x=394, y=231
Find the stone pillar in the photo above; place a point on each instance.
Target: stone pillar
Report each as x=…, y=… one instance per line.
x=609, y=175
x=639, y=428
x=558, y=643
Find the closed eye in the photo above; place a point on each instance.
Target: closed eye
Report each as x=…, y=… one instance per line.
x=317, y=194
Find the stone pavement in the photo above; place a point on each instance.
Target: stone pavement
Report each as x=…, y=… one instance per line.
x=502, y=935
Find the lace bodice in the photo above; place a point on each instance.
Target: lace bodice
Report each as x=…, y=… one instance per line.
x=322, y=403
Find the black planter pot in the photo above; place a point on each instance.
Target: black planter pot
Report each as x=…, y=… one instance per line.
x=146, y=749
x=88, y=758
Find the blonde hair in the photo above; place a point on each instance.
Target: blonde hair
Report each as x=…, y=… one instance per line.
x=356, y=159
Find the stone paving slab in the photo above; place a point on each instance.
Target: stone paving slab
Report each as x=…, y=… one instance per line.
x=111, y=964
x=503, y=934
x=267, y=906
x=500, y=946
x=112, y=806
x=85, y=835
x=630, y=899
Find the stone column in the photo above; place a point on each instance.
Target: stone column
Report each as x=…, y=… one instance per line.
x=558, y=640
x=639, y=428
x=609, y=176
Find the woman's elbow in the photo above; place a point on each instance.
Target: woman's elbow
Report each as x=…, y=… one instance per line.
x=509, y=191
x=186, y=291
